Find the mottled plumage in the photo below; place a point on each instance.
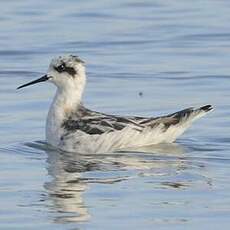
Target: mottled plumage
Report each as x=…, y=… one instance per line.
x=92, y=122
x=72, y=127
x=109, y=132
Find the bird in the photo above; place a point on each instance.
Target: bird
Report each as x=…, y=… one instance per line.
x=72, y=127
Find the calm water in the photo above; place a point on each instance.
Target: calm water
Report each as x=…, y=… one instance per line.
x=144, y=58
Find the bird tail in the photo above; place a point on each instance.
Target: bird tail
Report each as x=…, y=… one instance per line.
x=186, y=117
x=200, y=112
x=190, y=114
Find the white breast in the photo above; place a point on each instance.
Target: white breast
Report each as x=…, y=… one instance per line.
x=53, y=127
x=54, y=121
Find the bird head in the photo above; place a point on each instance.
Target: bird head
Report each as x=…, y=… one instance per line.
x=66, y=72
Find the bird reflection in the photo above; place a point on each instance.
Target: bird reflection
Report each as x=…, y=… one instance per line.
x=71, y=174
x=66, y=187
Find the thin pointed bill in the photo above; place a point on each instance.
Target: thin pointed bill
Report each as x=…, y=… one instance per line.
x=43, y=78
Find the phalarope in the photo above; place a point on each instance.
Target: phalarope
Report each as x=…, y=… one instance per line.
x=72, y=127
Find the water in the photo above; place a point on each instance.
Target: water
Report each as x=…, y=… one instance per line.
x=145, y=58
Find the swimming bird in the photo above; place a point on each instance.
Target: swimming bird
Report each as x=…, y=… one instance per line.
x=71, y=127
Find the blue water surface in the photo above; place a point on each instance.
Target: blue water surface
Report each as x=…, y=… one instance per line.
x=146, y=58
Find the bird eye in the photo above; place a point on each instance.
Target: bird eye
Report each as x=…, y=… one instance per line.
x=67, y=69
x=60, y=68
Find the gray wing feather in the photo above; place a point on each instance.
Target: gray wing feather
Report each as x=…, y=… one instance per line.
x=99, y=125
x=91, y=122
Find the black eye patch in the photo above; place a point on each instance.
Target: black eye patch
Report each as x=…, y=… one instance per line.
x=63, y=68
